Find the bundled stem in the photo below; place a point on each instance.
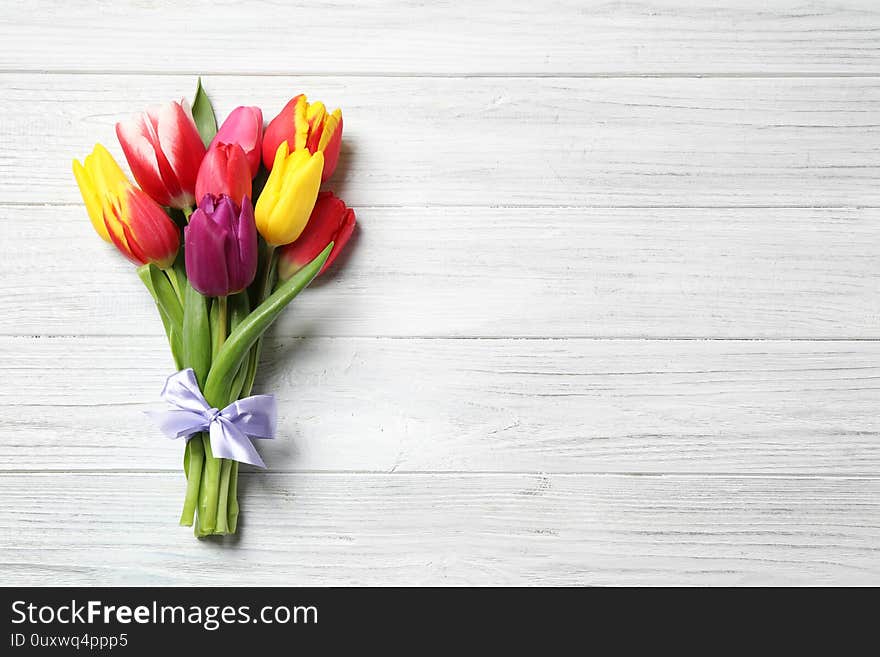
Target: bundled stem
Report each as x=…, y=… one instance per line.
x=221, y=342
x=194, y=461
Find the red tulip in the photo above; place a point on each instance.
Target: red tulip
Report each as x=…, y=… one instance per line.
x=305, y=125
x=243, y=126
x=225, y=170
x=139, y=227
x=330, y=221
x=164, y=151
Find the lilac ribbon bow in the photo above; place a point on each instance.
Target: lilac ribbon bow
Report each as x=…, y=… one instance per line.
x=230, y=429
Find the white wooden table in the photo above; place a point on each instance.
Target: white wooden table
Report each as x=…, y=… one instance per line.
x=612, y=315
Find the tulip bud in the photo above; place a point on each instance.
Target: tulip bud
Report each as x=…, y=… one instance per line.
x=164, y=151
x=225, y=170
x=286, y=202
x=123, y=214
x=243, y=126
x=96, y=176
x=305, y=125
x=221, y=246
x=331, y=221
x=139, y=227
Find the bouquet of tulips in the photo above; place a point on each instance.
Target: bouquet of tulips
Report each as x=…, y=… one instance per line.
x=226, y=227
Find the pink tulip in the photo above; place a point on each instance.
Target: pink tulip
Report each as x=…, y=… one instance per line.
x=244, y=126
x=164, y=151
x=225, y=170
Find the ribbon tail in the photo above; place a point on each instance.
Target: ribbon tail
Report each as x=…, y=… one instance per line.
x=254, y=416
x=228, y=442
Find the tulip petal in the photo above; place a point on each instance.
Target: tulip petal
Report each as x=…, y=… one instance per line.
x=180, y=142
x=331, y=143
x=91, y=198
x=340, y=239
x=221, y=246
x=302, y=180
x=205, y=255
x=141, y=156
x=153, y=236
x=244, y=126
x=279, y=130
x=113, y=213
x=300, y=123
x=330, y=221
x=225, y=170
x=247, y=248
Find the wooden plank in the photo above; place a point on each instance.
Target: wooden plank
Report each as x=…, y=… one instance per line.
x=512, y=36
x=478, y=405
x=503, y=272
x=495, y=141
x=342, y=529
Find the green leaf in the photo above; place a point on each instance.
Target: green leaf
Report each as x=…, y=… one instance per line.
x=203, y=113
x=239, y=309
x=166, y=297
x=196, y=334
x=220, y=379
x=151, y=276
x=175, y=339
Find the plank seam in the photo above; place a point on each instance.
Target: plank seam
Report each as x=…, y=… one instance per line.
x=596, y=338
x=458, y=473
x=559, y=75
x=514, y=206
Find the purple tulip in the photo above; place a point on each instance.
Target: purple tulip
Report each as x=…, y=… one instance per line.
x=221, y=246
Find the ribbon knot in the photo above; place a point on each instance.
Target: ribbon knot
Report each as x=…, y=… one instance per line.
x=231, y=428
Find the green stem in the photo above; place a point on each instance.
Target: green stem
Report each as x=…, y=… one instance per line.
x=222, y=524
x=196, y=334
x=232, y=506
x=239, y=309
x=187, y=212
x=219, y=325
x=269, y=274
x=194, y=460
x=209, y=491
x=219, y=316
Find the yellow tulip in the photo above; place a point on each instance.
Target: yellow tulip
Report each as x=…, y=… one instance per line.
x=123, y=214
x=96, y=177
x=284, y=206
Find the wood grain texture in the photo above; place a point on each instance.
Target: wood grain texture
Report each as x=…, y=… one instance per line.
x=511, y=36
x=471, y=405
x=418, y=141
x=491, y=387
x=447, y=529
x=500, y=272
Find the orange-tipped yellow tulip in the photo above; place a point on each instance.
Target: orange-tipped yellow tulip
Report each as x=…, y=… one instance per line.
x=283, y=208
x=96, y=176
x=123, y=214
x=305, y=125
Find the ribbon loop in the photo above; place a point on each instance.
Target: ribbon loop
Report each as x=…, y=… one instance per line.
x=231, y=429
